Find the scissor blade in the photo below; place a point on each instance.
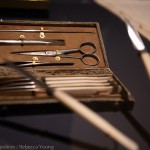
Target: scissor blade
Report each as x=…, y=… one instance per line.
x=134, y=36
x=36, y=53
x=41, y=53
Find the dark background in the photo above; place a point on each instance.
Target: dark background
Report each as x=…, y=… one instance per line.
x=69, y=131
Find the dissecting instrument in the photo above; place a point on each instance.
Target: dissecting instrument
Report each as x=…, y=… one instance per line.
x=64, y=53
x=46, y=31
x=139, y=45
x=32, y=42
x=38, y=63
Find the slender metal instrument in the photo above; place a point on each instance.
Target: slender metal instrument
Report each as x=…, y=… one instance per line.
x=38, y=63
x=46, y=31
x=138, y=45
x=32, y=42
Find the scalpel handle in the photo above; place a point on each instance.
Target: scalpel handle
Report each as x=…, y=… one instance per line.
x=145, y=56
x=9, y=42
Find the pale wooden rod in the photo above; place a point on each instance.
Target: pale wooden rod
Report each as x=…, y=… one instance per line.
x=145, y=56
x=76, y=81
x=77, y=78
x=78, y=84
x=95, y=119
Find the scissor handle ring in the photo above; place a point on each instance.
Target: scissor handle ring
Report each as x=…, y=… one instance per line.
x=89, y=44
x=93, y=56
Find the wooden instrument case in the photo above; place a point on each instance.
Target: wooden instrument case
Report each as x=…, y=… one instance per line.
x=25, y=103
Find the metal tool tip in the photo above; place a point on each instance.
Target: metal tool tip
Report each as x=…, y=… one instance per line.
x=134, y=36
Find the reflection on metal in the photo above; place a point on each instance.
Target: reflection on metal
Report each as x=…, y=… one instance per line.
x=134, y=36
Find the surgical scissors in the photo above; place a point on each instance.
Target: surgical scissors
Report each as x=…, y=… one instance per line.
x=86, y=52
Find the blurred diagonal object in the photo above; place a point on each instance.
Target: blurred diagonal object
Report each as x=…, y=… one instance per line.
x=138, y=45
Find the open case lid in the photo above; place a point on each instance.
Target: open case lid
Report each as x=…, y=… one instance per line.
x=73, y=35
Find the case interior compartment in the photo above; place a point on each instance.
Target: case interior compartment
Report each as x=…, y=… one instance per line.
x=73, y=34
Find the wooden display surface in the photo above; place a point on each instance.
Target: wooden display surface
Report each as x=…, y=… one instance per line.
x=19, y=103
